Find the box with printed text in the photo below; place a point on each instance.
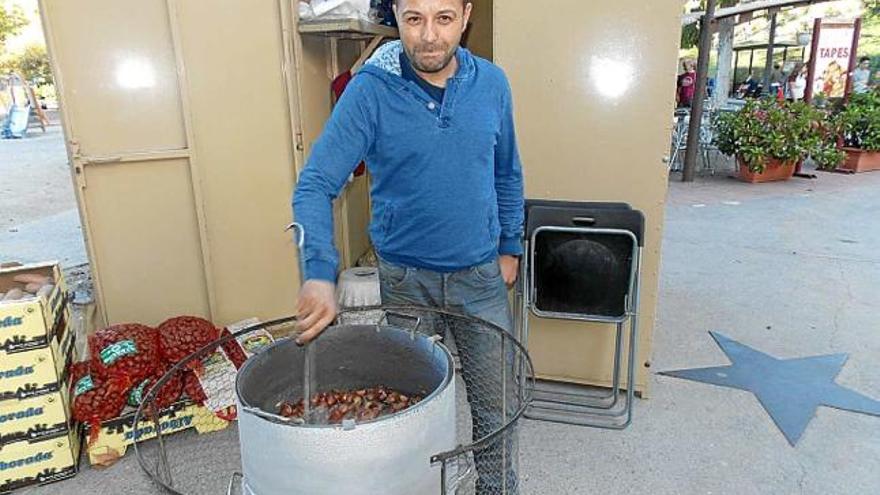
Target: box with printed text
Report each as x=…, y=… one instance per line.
x=38, y=371
x=27, y=321
x=27, y=464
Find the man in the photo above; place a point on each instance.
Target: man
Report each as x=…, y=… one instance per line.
x=862, y=76
x=435, y=126
x=686, y=85
x=777, y=77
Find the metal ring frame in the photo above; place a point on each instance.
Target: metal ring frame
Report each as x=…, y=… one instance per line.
x=160, y=474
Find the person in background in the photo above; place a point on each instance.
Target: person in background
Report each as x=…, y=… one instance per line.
x=749, y=88
x=797, y=82
x=777, y=77
x=862, y=76
x=686, y=85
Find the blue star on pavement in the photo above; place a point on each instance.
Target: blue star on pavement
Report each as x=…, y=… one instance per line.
x=790, y=390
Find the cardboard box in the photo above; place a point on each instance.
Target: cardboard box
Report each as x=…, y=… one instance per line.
x=35, y=419
x=28, y=324
x=117, y=434
x=40, y=371
x=47, y=461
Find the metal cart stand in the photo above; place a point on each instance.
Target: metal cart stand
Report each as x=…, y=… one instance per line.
x=581, y=263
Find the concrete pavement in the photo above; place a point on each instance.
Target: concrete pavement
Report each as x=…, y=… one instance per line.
x=791, y=269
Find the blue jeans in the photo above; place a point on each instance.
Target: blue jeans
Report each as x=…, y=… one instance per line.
x=479, y=291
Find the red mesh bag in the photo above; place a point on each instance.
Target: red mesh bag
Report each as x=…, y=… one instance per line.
x=94, y=400
x=77, y=371
x=128, y=350
x=181, y=336
x=193, y=388
x=168, y=394
x=233, y=350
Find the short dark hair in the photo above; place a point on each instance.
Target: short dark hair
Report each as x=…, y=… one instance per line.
x=395, y=2
x=864, y=59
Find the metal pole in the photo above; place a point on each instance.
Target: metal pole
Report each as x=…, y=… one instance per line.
x=811, y=71
x=853, y=59
x=735, y=68
x=768, y=64
x=693, y=142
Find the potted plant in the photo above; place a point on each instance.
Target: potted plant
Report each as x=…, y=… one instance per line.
x=859, y=124
x=769, y=138
x=804, y=34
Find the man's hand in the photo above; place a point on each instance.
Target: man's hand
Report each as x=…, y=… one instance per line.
x=315, y=309
x=509, y=269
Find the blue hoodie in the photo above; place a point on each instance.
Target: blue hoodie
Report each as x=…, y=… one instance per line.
x=447, y=190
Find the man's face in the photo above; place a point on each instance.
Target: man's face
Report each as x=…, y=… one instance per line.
x=865, y=64
x=431, y=30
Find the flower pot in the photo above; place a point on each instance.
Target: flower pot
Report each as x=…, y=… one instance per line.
x=804, y=39
x=858, y=160
x=773, y=170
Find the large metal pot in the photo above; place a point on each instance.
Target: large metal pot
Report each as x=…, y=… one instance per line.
x=390, y=455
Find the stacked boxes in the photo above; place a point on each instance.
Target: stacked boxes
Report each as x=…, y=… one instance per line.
x=38, y=441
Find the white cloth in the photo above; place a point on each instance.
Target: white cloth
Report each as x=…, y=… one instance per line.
x=798, y=87
x=334, y=9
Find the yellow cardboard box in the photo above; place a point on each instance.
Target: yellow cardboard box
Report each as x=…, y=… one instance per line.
x=26, y=464
x=38, y=371
x=29, y=324
x=117, y=434
x=35, y=419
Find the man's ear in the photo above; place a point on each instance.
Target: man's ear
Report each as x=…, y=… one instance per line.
x=468, y=7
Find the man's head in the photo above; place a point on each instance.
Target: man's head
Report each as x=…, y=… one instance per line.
x=431, y=30
x=865, y=62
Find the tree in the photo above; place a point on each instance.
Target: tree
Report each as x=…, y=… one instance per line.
x=690, y=34
x=11, y=22
x=872, y=8
x=32, y=64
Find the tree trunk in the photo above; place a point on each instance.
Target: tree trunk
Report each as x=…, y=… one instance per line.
x=724, y=78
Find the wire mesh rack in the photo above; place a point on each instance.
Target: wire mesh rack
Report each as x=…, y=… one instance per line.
x=493, y=370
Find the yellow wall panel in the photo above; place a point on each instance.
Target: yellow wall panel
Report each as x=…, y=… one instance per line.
x=593, y=99
x=120, y=86
x=145, y=234
x=233, y=55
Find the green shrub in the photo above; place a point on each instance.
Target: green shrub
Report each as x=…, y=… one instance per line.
x=859, y=122
x=787, y=131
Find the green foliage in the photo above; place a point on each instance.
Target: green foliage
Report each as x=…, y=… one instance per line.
x=828, y=156
x=34, y=65
x=872, y=8
x=859, y=121
x=11, y=22
x=690, y=36
x=786, y=131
